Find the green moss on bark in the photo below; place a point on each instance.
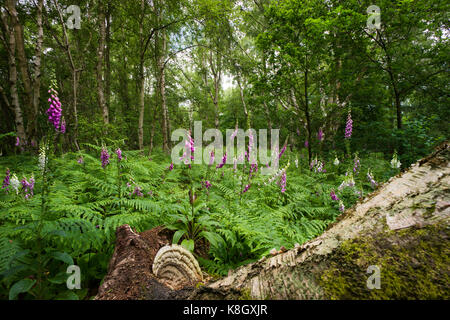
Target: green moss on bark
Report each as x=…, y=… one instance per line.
x=414, y=264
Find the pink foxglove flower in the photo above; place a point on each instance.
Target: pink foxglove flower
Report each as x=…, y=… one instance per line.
x=104, y=157
x=320, y=135
x=283, y=182
x=211, y=158
x=341, y=206
x=54, y=112
x=281, y=152
x=371, y=179
x=224, y=160
x=333, y=196
x=6, y=182
x=349, y=126
x=119, y=154
x=206, y=184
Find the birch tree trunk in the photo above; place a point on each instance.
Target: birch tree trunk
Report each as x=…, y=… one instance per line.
x=100, y=61
x=162, y=90
x=31, y=83
x=10, y=45
x=37, y=66
x=141, y=80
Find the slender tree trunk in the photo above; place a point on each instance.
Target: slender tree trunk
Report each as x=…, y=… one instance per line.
x=241, y=91
x=75, y=80
x=398, y=108
x=152, y=129
x=141, y=80
x=162, y=92
x=141, y=108
x=100, y=59
x=37, y=67
x=31, y=85
x=306, y=112
x=23, y=67
x=108, y=60
x=308, y=119
x=10, y=45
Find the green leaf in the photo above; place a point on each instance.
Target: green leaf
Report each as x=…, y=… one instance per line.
x=59, y=278
x=212, y=237
x=177, y=236
x=21, y=286
x=67, y=295
x=62, y=256
x=188, y=244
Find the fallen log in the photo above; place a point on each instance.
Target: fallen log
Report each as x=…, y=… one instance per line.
x=391, y=245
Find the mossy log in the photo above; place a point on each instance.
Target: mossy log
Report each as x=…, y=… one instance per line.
x=400, y=230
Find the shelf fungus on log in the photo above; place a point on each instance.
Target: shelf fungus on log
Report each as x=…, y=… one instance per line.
x=176, y=267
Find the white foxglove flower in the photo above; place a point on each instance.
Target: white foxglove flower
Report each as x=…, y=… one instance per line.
x=42, y=158
x=15, y=183
x=395, y=163
x=341, y=206
x=336, y=161
x=296, y=162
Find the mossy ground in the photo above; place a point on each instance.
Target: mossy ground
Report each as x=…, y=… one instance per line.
x=414, y=264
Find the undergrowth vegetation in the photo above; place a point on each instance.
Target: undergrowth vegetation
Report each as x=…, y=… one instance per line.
x=79, y=199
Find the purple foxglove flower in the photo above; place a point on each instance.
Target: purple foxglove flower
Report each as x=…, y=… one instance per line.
x=188, y=146
x=371, y=179
x=282, y=151
x=320, y=135
x=211, y=159
x=250, y=145
x=27, y=187
x=349, y=126
x=104, y=157
x=137, y=191
x=333, y=196
x=356, y=166
x=6, y=182
x=63, y=126
x=283, y=182
x=171, y=167
x=80, y=160
x=246, y=188
x=17, y=142
x=224, y=160
x=306, y=144
x=119, y=154
x=54, y=112
x=341, y=206
x=207, y=184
